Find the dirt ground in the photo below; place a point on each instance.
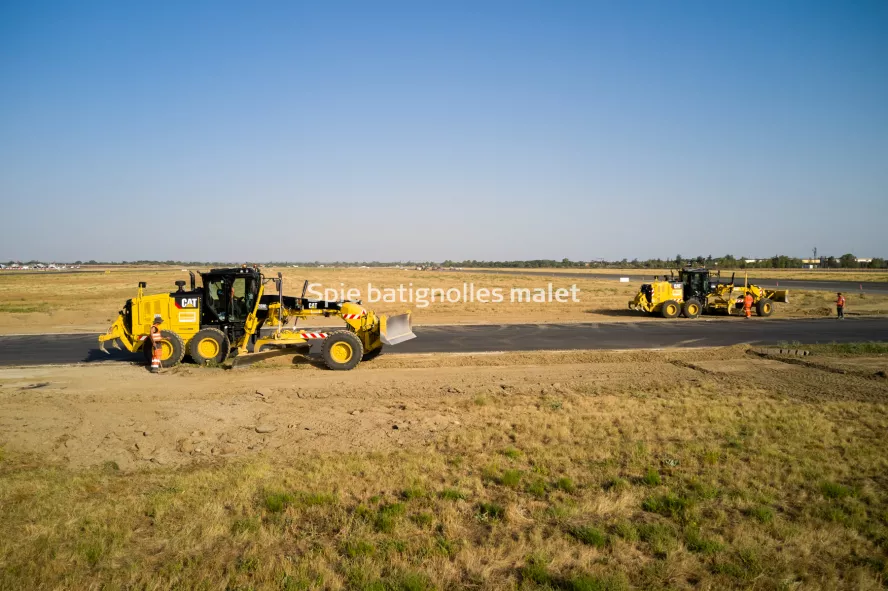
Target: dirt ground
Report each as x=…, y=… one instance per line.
x=88, y=302
x=116, y=412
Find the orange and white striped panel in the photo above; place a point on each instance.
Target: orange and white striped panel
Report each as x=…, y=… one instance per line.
x=314, y=335
x=354, y=316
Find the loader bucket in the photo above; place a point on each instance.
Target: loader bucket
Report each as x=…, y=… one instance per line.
x=778, y=295
x=395, y=329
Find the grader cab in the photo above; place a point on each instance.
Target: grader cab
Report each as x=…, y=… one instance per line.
x=699, y=291
x=227, y=313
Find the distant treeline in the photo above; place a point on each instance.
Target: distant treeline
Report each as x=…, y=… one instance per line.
x=846, y=261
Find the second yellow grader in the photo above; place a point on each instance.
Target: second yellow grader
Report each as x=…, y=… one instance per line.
x=697, y=291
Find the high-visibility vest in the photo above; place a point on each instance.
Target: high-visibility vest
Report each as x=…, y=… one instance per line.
x=841, y=301
x=747, y=301
x=155, y=335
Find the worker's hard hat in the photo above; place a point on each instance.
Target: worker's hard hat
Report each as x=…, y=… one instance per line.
x=158, y=319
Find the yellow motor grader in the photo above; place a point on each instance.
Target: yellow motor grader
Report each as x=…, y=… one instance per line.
x=225, y=314
x=697, y=291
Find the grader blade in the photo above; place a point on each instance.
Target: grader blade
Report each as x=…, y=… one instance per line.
x=268, y=352
x=778, y=295
x=395, y=329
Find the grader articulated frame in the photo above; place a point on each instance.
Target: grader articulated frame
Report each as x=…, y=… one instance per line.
x=226, y=315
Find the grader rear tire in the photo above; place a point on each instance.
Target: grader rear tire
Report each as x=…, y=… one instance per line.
x=172, y=350
x=764, y=307
x=342, y=350
x=209, y=345
x=670, y=309
x=691, y=309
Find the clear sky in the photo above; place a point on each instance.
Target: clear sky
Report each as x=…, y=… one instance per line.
x=383, y=130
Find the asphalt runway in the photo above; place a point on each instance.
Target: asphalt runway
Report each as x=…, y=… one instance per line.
x=639, y=278
x=83, y=348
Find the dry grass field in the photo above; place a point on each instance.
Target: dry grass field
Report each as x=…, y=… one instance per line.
x=705, y=469
x=88, y=302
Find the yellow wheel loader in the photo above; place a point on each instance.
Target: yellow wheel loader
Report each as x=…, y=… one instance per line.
x=697, y=291
x=224, y=317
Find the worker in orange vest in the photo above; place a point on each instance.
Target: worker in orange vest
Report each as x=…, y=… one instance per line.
x=747, y=304
x=155, y=344
x=840, y=306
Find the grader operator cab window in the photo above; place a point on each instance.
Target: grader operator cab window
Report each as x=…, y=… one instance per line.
x=243, y=296
x=216, y=299
x=231, y=299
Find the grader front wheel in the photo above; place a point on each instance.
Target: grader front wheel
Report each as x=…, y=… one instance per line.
x=172, y=350
x=342, y=350
x=209, y=346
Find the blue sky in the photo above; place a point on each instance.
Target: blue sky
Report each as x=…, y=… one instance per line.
x=426, y=131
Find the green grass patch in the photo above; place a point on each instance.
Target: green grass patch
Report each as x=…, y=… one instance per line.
x=659, y=536
x=276, y=501
x=701, y=490
x=511, y=453
x=510, y=478
x=591, y=536
x=535, y=574
x=696, y=542
x=668, y=505
x=423, y=519
x=451, y=494
x=651, y=477
x=415, y=492
x=536, y=487
x=566, y=484
x=491, y=511
x=744, y=564
x=834, y=490
x=616, y=485
x=536, y=571
x=625, y=530
x=761, y=513
x=387, y=517
x=358, y=548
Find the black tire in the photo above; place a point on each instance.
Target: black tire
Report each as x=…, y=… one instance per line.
x=670, y=309
x=764, y=307
x=207, y=342
x=691, y=308
x=337, y=345
x=175, y=357
x=372, y=354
